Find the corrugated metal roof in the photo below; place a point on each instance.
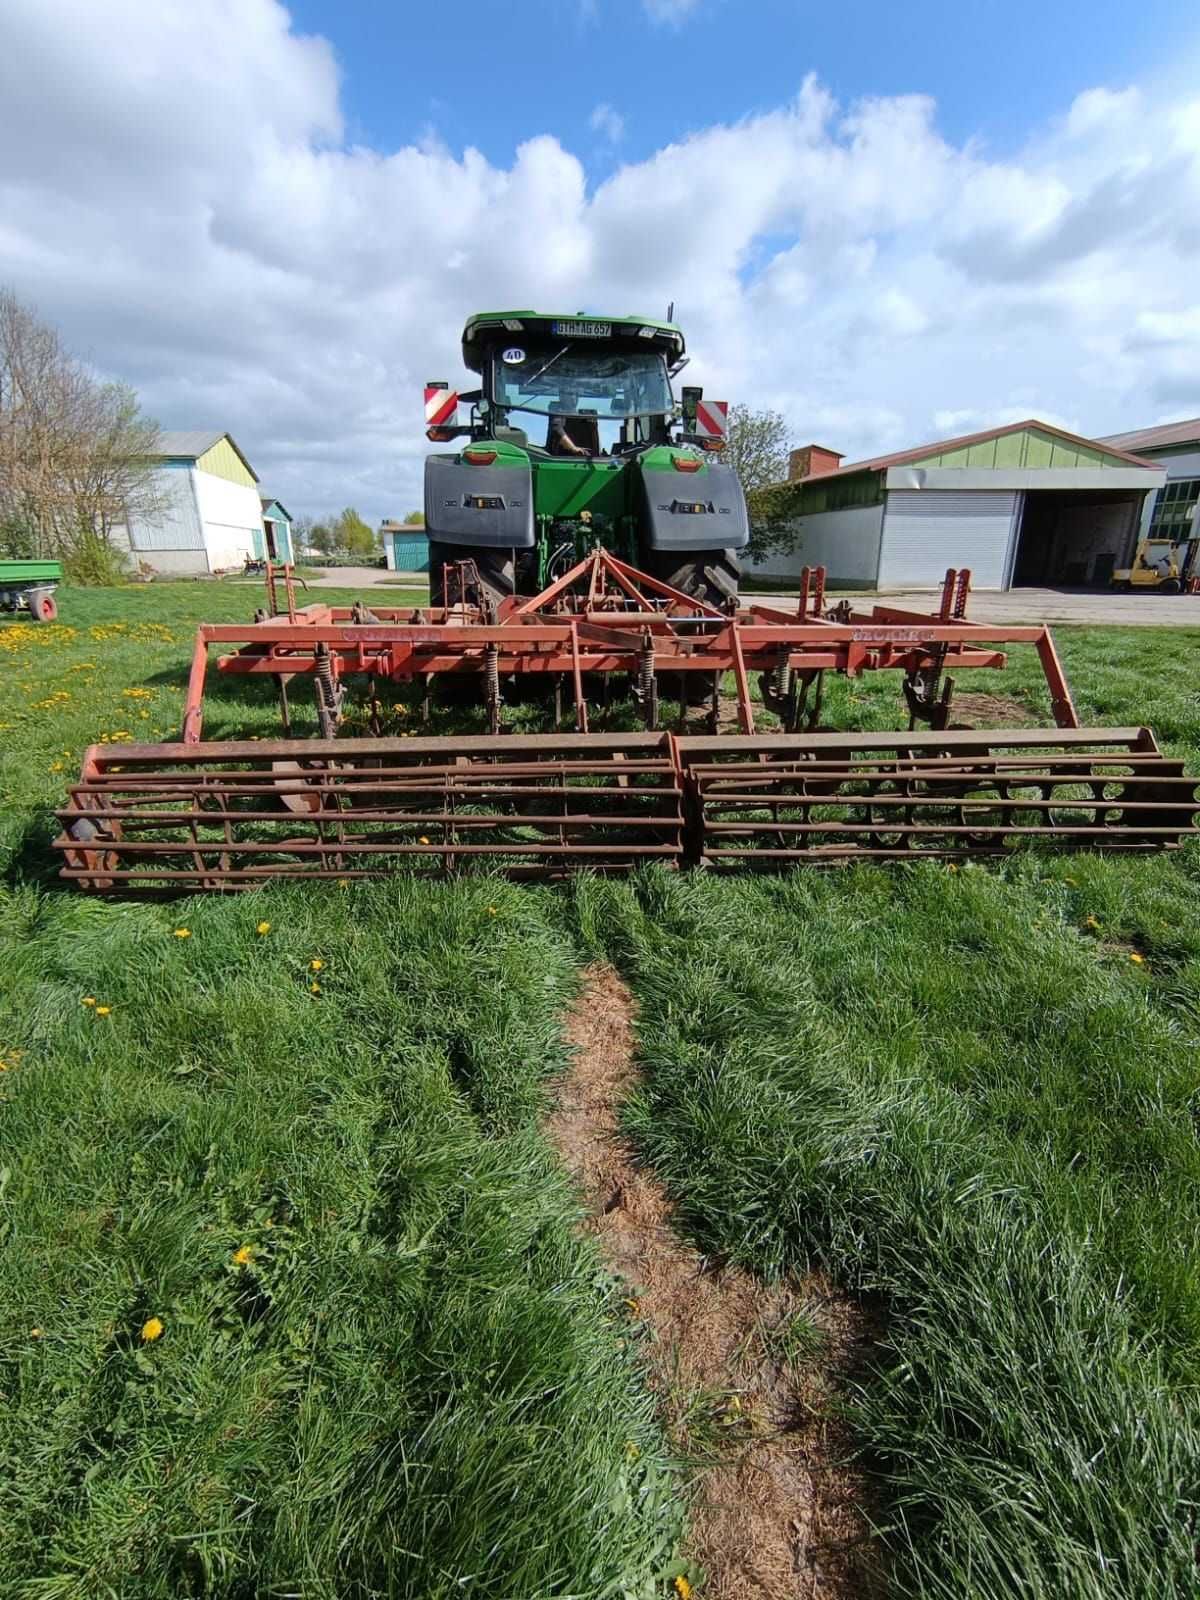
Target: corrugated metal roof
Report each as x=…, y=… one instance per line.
x=190, y=442
x=899, y=458
x=1187, y=432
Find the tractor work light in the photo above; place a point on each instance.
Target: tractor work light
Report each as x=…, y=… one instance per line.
x=513, y=324
x=686, y=463
x=479, y=458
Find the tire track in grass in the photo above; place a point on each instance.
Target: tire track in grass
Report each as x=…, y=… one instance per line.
x=746, y=1374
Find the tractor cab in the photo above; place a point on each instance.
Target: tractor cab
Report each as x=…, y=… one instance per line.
x=609, y=383
x=576, y=440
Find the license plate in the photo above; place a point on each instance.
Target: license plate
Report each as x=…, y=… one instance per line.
x=582, y=330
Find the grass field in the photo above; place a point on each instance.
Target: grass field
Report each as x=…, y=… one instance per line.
x=387, y=1367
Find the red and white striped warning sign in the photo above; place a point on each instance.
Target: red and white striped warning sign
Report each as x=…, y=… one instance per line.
x=712, y=418
x=440, y=406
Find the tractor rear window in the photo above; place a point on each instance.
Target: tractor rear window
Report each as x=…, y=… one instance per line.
x=568, y=380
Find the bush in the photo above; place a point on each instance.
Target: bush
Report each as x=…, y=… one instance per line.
x=95, y=563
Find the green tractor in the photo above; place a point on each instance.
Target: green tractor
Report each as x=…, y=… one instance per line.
x=575, y=440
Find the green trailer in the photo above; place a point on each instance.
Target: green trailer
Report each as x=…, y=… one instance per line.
x=29, y=586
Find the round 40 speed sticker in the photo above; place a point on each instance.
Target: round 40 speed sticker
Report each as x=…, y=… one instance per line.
x=513, y=357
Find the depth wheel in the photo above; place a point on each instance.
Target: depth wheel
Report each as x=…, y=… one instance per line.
x=496, y=568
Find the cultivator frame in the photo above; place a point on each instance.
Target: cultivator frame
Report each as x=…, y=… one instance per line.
x=604, y=618
x=228, y=815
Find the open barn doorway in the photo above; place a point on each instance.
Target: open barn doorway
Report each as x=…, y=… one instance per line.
x=1073, y=538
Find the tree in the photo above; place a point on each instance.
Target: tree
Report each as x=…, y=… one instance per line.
x=756, y=447
x=76, y=454
x=415, y=519
x=352, y=534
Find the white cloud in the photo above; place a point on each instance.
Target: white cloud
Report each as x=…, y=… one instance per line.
x=198, y=224
x=670, y=11
x=608, y=122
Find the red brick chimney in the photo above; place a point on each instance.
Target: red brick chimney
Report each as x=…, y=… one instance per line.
x=813, y=461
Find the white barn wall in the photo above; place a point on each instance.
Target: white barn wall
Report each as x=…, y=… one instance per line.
x=845, y=543
x=177, y=527
x=230, y=514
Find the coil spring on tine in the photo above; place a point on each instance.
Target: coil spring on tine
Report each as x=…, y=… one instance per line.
x=646, y=674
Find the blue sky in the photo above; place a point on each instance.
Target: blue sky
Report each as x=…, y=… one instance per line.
x=997, y=68
x=888, y=223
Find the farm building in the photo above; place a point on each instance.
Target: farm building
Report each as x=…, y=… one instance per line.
x=1022, y=504
x=210, y=510
x=275, y=540
x=405, y=546
x=1175, y=446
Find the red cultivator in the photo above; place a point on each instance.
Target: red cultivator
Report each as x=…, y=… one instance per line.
x=227, y=815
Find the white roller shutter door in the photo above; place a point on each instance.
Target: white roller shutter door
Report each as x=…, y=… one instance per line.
x=927, y=530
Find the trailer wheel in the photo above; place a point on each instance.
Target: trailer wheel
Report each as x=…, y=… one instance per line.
x=710, y=575
x=496, y=570
x=42, y=605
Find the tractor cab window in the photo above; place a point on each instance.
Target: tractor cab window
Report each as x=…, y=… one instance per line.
x=565, y=380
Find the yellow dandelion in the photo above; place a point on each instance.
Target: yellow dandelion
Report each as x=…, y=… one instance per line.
x=35, y=1333
x=314, y=988
x=152, y=1330
x=104, y=1011
x=263, y=927
x=422, y=840
x=88, y=1000
x=315, y=964
x=343, y=883
x=183, y=933
x=1140, y=960
x=634, y=1306
x=244, y=1256
x=683, y=1588
x=1091, y=922
x=632, y=1452
x=491, y=911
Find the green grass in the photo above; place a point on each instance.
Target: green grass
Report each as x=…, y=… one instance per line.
x=955, y=1091
x=420, y=1384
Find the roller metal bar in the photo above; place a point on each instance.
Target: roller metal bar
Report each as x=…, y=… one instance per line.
x=228, y=816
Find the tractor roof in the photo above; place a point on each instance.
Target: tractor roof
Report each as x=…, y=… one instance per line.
x=485, y=326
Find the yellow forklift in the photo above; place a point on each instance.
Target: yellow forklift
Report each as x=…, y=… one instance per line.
x=1166, y=564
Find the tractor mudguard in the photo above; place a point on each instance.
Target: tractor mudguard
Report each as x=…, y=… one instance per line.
x=484, y=506
x=704, y=510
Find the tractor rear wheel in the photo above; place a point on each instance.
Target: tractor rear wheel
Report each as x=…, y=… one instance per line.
x=710, y=575
x=496, y=568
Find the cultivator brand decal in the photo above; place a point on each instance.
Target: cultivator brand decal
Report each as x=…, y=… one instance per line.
x=227, y=815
